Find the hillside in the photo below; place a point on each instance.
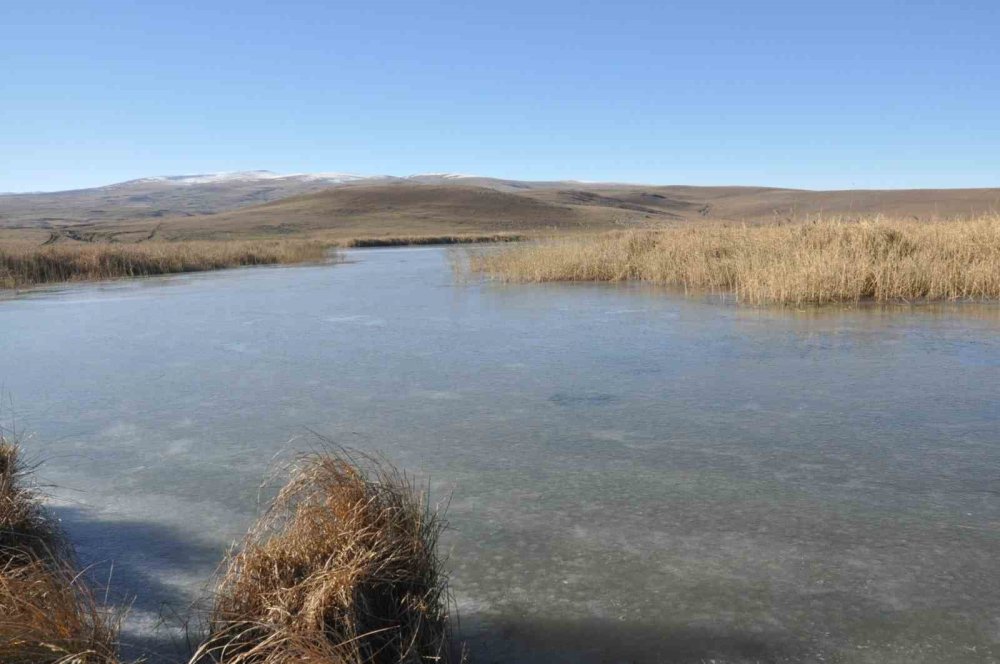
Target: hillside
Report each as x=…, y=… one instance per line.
x=771, y=204
x=192, y=195
x=259, y=204
x=382, y=210
x=157, y=197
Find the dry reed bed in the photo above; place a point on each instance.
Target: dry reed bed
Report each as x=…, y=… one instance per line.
x=341, y=569
x=48, y=615
x=820, y=262
x=22, y=264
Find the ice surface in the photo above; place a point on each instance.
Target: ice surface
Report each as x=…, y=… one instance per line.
x=633, y=477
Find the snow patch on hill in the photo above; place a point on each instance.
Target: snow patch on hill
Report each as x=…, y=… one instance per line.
x=234, y=177
x=442, y=176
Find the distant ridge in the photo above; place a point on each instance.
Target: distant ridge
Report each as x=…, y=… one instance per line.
x=264, y=203
x=162, y=196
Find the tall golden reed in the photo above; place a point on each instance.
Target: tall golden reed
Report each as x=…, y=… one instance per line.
x=23, y=264
x=819, y=262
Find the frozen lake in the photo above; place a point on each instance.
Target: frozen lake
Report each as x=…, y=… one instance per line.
x=634, y=477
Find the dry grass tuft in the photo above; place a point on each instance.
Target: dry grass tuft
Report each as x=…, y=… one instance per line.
x=23, y=264
x=48, y=615
x=341, y=569
x=820, y=262
x=27, y=532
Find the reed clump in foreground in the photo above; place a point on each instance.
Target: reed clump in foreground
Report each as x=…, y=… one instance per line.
x=341, y=569
x=23, y=264
x=818, y=262
x=48, y=615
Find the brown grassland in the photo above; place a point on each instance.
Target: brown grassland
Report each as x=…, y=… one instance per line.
x=341, y=569
x=48, y=614
x=819, y=262
x=25, y=264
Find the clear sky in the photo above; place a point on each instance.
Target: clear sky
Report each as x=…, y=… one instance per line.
x=835, y=94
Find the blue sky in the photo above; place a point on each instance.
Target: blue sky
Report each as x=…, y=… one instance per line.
x=803, y=94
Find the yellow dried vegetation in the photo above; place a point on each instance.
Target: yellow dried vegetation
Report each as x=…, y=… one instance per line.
x=819, y=262
x=48, y=614
x=23, y=264
x=341, y=569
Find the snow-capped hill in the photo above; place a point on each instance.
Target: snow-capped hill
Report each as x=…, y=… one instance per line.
x=200, y=178
x=201, y=193
x=440, y=176
x=333, y=178
x=170, y=195
x=235, y=177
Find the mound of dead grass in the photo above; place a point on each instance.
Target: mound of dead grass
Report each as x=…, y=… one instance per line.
x=48, y=614
x=818, y=262
x=341, y=569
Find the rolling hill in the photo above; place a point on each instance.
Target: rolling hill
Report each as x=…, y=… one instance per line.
x=259, y=203
x=157, y=197
x=191, y=195
x=376, y=210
